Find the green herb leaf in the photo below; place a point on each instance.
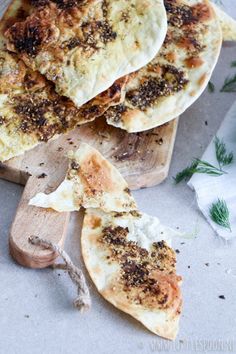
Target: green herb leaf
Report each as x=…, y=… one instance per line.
x=187, y=173
x=211, y=87
x=223, y=157
x=229, y=84
x=198, y=166
x=219, y=213
x=233, y=64
x=206, y=167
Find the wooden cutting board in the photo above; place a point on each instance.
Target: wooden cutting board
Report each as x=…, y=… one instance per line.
x=142, y=158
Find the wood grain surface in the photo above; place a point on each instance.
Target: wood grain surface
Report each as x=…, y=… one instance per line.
x=142, y=158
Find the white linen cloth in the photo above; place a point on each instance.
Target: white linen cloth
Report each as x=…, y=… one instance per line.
x=209, y=188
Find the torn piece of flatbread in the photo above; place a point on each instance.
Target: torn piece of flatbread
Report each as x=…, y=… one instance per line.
x=228, y=24
x=31, y=111
x=129, y=260
x=91, y=182
x=177, y=76
x=84, y=46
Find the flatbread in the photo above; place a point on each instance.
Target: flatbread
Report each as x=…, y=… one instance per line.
x=228, y=24
x=129, y=260
x=31, y=111
x=177, y=76
x=91, y=182
x=84, y=46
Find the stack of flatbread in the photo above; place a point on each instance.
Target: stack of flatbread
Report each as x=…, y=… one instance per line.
x=136, y=63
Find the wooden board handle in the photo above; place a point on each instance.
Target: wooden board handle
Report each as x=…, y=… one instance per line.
x=30, y=220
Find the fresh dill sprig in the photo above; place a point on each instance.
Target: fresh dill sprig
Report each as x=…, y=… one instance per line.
x=229, y=84
x=233, y=64
x=211, y=87
x=187, y=173
x=219, y=213
x=198, y=166
x=206, y=167
x=223, y=157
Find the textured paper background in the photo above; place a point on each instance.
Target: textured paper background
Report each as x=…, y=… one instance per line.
x=36, y=313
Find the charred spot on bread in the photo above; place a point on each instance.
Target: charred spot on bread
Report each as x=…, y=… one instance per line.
x=88, y=111
x=115, y=113
x=97, y=31
x=106, y=32
x=27, y=39
x=127, y=190
x=74, y=165
x=178, y=15
x=185, y=15
x=73, y=43
x=115, y=236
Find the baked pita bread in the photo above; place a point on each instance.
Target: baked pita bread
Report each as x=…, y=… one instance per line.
x=30, y=110
x=91, y=182
x=177, y=76
x=129, y=260
x=227, y=23
x=84, y=46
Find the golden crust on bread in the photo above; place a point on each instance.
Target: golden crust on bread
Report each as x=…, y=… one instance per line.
x=177, y=76
x=30, y=110
x=91, y=182
x=133, y=267
x=84, y=46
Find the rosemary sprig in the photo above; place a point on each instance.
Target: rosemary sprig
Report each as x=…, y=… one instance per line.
x=223, y=157
x=233, y=64
x=211, y=87
x=219, y=213
x=198, y=166
x=229, y=84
